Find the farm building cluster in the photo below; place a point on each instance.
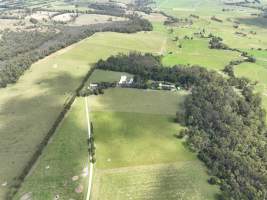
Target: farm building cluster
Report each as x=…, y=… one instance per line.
x=126, y=81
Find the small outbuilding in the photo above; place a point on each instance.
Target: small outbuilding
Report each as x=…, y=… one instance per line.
x=93, y=86
x=165, y=86
x=124, y=80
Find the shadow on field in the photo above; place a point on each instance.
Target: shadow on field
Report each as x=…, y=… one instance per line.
x=260, y=22
x=27, y=112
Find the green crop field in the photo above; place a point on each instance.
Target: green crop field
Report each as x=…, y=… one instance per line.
x=137, y=155
x=63, y=161
x=29, y=108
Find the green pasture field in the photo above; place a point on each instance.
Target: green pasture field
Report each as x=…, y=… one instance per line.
x=192, y=52
x=131, y=139
x=132, y=100
x=65, y=157
x=197, y=52
x=247, y=24
x=138, y=156
x=208, y=8
x=29, y=108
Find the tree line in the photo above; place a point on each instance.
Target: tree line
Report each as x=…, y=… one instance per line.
x=225, y=122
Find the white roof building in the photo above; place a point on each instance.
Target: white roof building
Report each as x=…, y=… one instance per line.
x=123, y=80
x=93, y=86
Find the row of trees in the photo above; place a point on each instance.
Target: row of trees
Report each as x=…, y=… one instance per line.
x=20, y=50
x=225, y=127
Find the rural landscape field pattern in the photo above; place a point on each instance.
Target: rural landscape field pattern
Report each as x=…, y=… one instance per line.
x=137, y=154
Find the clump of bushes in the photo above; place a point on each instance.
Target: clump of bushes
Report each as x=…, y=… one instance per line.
x=216, y=43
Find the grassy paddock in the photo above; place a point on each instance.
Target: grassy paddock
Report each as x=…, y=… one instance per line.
x=138, y=156
x=126, y=139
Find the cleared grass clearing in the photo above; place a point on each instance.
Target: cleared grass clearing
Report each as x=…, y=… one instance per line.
x=137, y=155
x=29, y=108
x=87, y=19
x=106, y=76
x=138, y=101
x=65, y=157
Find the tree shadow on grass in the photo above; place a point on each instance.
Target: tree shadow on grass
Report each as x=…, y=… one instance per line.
x=260, y=22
